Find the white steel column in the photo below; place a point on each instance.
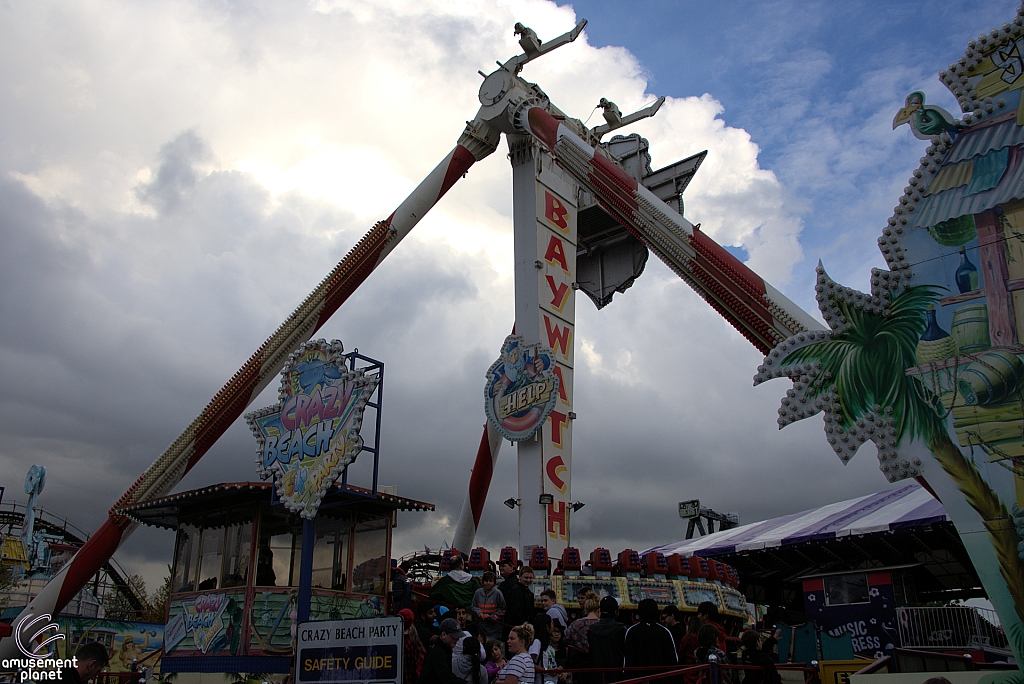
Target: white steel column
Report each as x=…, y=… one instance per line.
x=524, y=153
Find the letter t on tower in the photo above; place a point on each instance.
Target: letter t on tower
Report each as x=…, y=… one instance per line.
x=544, y=218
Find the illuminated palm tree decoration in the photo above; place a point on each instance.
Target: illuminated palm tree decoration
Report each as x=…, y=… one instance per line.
x=856, y=375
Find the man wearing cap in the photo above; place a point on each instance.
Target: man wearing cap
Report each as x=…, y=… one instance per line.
x=672, y=618
x=509, y=576
x=437, y=668
x=607, y=638
x=519, y=603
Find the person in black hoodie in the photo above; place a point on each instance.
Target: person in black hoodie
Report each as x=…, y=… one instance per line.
x=90, y=659
x=519, y=602
x=509, y=577
x=607, y=638
x=648, y=642
x=753, y=655
x=509, y=580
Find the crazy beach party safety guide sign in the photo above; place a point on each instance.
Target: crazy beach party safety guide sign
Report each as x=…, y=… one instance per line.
x=521, y=390
x=350, y=651
x=308, y=438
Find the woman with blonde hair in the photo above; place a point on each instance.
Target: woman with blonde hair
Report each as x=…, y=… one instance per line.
x=576, y=635
x=519, y=668
x=576, y=643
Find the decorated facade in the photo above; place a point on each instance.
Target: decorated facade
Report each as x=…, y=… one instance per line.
x=928, y=363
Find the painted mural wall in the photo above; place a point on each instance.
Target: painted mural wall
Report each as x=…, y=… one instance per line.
x=929, y=365
x=216, y=624
x=126, y=641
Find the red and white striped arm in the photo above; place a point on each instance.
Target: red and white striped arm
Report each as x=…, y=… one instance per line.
x=259, y=371
x=479, y=483
x=757, y=310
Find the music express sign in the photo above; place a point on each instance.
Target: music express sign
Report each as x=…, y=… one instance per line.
x=312, y=434
x=521, y=390
x=350, y=651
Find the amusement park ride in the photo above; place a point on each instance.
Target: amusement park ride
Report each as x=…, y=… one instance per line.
x=586, y=213
x=572, y=195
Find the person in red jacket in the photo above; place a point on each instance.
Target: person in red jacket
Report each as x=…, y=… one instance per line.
x=708, y=614
x=687, y=648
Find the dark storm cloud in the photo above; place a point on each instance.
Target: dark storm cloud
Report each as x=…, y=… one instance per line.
x=177, y=174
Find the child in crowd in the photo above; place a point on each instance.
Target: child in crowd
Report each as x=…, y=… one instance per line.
x=558, y=642
x=489, y=606
x=707, y=645
x=495, y=658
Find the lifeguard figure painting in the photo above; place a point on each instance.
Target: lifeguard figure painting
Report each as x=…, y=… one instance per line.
x=521, y=390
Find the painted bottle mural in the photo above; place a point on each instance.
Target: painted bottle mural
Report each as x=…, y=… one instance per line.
x=936, y=344
x=966, y=274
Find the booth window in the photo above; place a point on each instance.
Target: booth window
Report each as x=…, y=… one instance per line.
x=370, y=555
x=213, y=551
x=237, y=550
x=846, y=589
x=211, y=555
x=330, y=552
x=280, y=550
x=186, y=559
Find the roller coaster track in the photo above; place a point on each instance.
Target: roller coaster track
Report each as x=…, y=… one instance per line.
x=12, y=518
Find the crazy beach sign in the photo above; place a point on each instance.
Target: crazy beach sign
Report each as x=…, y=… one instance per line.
x=312, y=434
x=202, y=617
x=521, y=390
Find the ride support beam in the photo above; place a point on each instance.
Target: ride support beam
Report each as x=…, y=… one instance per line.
x=476, y=143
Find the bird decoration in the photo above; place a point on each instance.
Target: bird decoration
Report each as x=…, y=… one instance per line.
x=611, y=112
x=925, y=120
x=528, y=41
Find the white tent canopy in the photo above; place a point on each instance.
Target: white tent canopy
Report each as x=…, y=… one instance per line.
x=905, y=506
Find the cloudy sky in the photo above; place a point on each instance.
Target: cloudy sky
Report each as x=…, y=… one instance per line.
x=176, y=176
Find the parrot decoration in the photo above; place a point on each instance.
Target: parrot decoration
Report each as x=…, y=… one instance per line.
x=925, y=120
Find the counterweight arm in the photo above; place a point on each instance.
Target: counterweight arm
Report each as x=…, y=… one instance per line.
x=757, y=310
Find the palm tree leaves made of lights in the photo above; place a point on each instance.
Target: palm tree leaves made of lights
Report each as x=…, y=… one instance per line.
x=855, y=374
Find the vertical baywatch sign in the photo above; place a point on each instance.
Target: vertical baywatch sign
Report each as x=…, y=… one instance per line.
x=556, y=252
x=308, y=439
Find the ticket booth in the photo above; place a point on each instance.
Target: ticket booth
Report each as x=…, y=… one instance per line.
x=236, y=580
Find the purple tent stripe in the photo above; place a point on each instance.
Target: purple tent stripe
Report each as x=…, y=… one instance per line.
x=752, y=531
x=873, y=513
x=927, y=513
x=827, y=528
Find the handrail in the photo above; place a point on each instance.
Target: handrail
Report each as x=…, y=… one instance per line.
x=810, y=673
x=875, y=666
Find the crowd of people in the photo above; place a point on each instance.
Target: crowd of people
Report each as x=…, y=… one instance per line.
x=482, y=631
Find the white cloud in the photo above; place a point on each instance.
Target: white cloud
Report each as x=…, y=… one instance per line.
x=175, y=177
